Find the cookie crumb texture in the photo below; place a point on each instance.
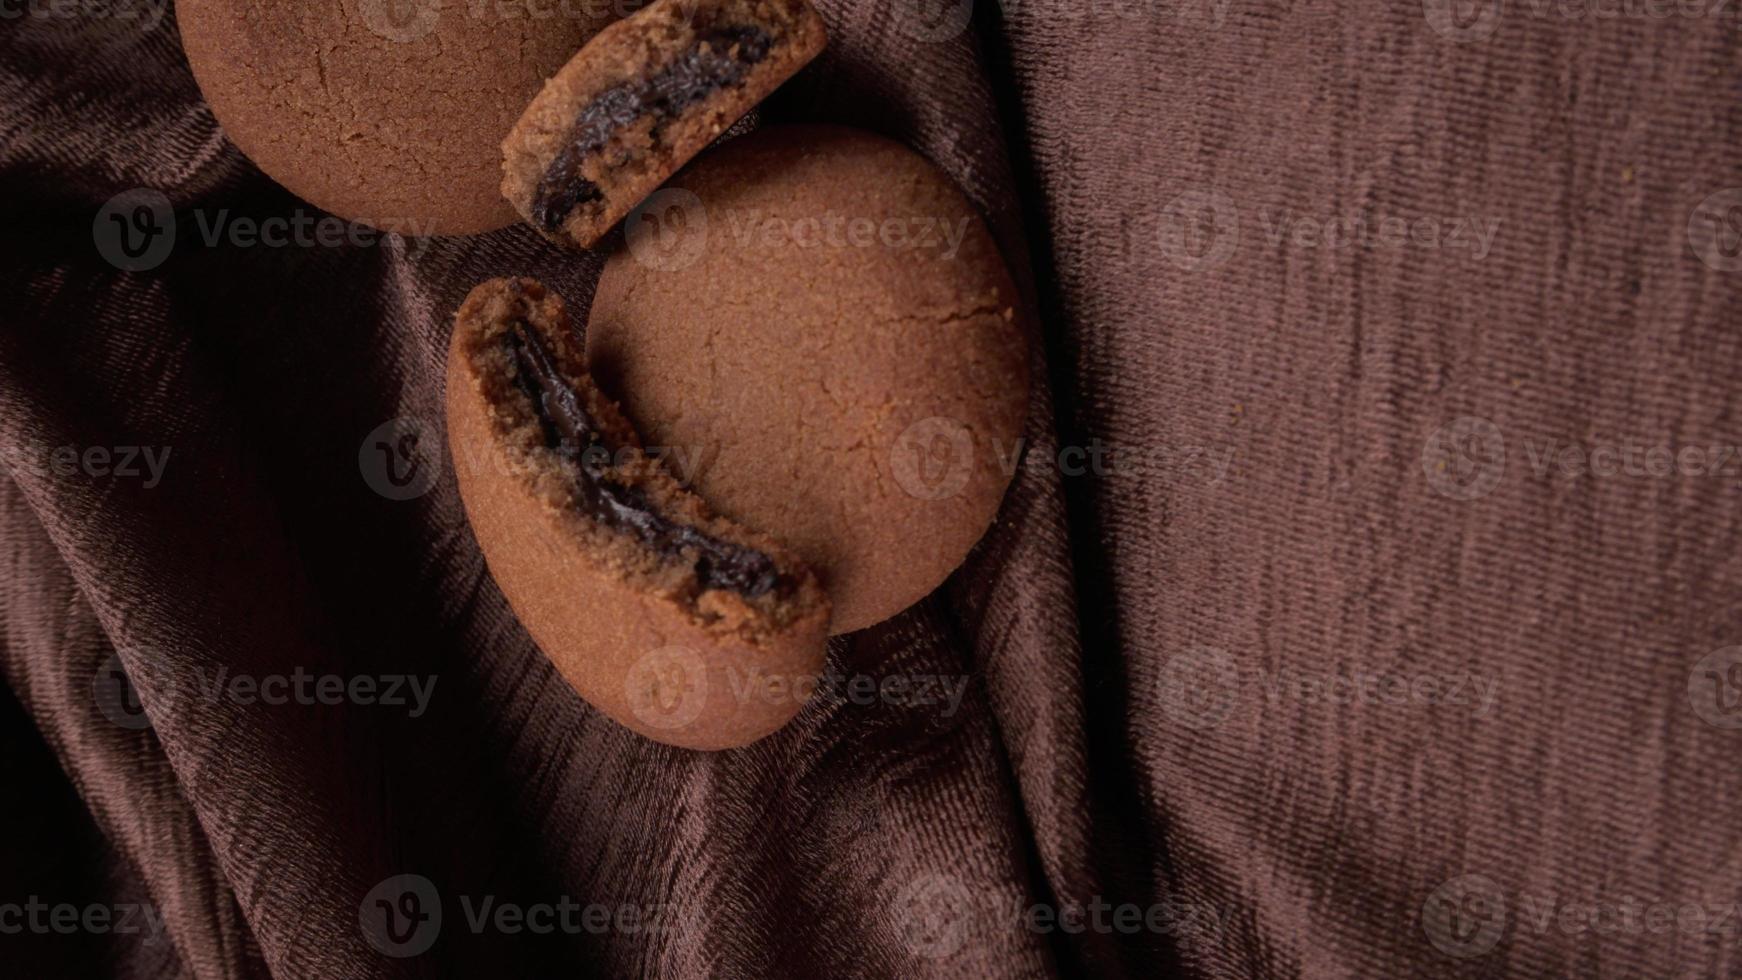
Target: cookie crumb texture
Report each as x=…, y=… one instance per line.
x=834, y=334
x=640, y=100
x=383, y=112
x=620, y=574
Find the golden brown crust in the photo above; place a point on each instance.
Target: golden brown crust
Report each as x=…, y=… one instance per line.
x=620, y=624
x=866, y=398
x=641, y=156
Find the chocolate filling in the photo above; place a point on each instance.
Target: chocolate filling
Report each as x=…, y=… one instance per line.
x=570, y=432
x=720, y=58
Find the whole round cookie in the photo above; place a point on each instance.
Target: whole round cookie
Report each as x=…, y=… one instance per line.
x=390, y=112
x=816, y=327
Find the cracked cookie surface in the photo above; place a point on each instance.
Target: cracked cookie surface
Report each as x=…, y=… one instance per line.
x=387, y=113
x=834, y=334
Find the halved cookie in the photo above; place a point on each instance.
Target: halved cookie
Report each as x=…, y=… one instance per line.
x=640, y=99
x=680, y=624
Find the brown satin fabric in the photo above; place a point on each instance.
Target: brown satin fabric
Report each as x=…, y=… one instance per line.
x=1129, y=736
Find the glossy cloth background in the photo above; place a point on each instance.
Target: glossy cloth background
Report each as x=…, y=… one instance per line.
x=1322, y=464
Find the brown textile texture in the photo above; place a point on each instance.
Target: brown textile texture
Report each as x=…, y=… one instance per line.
x=1379, y=618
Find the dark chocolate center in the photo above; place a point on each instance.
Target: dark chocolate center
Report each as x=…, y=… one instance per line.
x=720, y=57
x=570, y=432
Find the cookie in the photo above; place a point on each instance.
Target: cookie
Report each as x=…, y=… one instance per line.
x=680, y=624
x=640, y=100
x=821, y=317
x=380, y=111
